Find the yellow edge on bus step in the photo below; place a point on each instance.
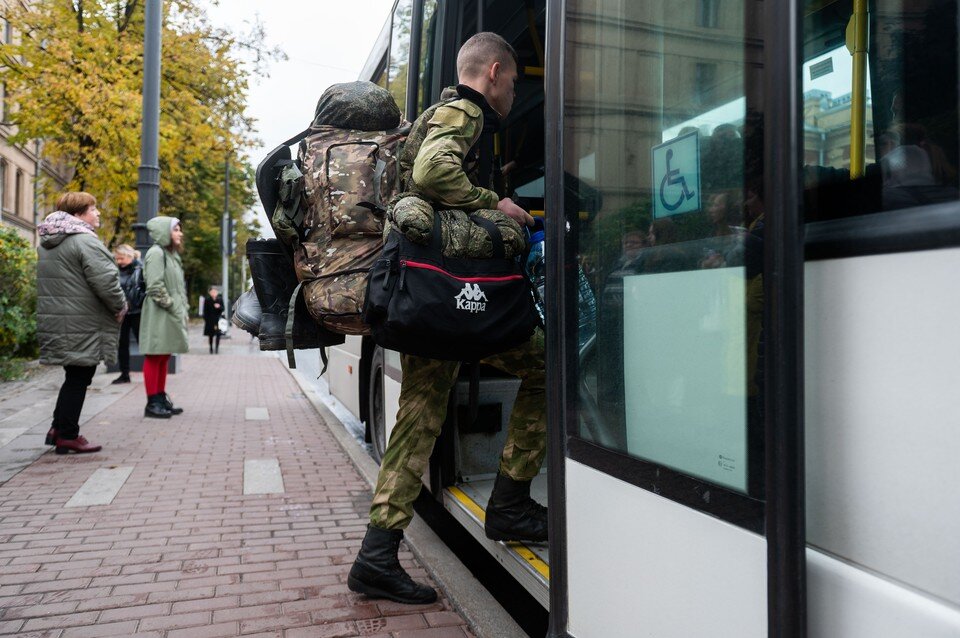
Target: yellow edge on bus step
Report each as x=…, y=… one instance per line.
x=522, y=550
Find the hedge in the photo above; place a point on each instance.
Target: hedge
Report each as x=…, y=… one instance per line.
x=18, y=302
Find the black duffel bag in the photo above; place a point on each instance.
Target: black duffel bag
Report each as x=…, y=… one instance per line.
x=422, y=303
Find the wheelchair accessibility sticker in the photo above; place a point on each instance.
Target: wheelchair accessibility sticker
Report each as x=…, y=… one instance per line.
x=676, y=176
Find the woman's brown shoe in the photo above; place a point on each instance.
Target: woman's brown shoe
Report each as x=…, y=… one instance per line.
x=80, y=445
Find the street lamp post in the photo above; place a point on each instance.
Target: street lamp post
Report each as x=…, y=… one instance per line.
x=225, y=239
x=148, y=186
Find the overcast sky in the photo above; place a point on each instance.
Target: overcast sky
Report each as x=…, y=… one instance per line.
x=326, y=41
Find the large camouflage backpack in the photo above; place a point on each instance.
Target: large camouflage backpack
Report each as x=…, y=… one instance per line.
x=332, y=200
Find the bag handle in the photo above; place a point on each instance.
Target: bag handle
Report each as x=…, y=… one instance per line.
x=495, y=235
x=436, y=240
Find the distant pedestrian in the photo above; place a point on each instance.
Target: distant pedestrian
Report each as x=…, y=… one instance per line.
x=163, y=321
x=212, y=311
x=79, y=307
x=134, y=288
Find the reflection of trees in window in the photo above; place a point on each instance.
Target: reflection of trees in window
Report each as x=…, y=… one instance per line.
x=708, y=13
x=426, y=59
x=400, y=53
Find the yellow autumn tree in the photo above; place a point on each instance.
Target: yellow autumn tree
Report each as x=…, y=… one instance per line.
x=74, y=77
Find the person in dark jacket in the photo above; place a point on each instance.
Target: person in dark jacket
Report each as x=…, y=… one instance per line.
x=134, y=289
x=79, y=307
x=212, y=311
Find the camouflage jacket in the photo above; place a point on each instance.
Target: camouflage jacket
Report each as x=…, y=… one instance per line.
x=440, y=159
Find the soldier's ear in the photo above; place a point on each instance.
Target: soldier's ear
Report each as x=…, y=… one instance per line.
x=494, y=72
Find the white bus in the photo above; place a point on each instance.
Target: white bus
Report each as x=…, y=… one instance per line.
x=755, y=430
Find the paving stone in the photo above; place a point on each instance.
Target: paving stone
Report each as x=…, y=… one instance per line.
x=180, y=550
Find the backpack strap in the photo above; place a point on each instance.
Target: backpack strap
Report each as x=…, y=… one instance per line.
x=296, y=139
x=288, y=329
x=288, y=333
x=377, y=179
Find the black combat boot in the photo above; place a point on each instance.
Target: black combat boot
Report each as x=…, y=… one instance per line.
x=168, y=404
x=274, y=280
x=247, y=313
x=378, y=574
x=512, y=515
x=156, y=408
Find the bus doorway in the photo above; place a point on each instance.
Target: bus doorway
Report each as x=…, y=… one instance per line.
x=467, y=454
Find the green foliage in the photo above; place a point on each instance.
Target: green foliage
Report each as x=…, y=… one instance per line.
x=18, y=302
x=73, y=76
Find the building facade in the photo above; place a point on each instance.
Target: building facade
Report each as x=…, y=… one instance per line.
x=24, y=172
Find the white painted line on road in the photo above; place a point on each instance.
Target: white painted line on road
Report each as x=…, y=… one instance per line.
x=9, y=434
x=101, y=487
x=257, y=414
x=262, y=476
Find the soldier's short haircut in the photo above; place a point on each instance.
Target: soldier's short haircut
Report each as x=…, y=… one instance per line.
x=76, y=202
x=480, y=51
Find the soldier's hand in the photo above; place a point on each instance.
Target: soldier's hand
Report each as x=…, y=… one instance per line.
x=511, y=210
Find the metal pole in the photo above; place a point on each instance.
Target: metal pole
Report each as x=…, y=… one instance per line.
x=561, y=299
x=148, y=186
x=783, y=322
x=858, y=45
x=225, y=243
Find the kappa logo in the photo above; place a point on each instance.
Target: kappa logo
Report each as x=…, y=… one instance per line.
x=471, y=298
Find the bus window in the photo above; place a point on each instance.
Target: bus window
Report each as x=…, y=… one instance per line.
x=427, y=41
x=400, y=53
x=662, y=129
x=879, y=106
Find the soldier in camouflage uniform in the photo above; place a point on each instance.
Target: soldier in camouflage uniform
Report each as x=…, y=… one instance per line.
x=446, y=161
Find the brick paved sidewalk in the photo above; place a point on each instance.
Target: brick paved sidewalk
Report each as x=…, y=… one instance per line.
x=181, y=551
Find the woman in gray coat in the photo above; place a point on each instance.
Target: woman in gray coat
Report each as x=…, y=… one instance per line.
x=163, y=320
x=79, y=309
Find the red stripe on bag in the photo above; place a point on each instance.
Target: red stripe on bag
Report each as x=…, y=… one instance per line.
x=417, y=264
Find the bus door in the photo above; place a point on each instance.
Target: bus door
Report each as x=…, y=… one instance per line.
x=675, y=463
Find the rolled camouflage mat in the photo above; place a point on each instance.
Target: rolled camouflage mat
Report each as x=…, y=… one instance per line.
x=359, y=106
x=461, y=237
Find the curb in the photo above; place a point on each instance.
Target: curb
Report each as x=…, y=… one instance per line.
x=487, y=619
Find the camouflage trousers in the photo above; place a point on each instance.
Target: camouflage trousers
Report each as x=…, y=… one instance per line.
x=424, y=391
